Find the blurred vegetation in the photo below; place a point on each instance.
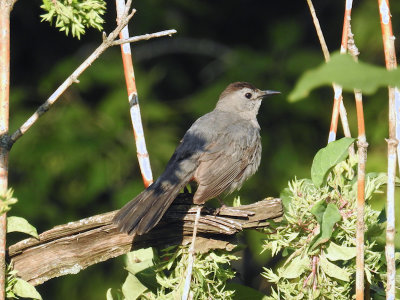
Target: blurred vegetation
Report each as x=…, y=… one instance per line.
x=80, y=160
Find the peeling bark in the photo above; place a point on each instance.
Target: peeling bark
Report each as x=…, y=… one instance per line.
x=69, y=248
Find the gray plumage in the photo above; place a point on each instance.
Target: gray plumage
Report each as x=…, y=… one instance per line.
x=219, y=151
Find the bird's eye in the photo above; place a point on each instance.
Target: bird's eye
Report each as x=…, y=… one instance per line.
x=248, y=95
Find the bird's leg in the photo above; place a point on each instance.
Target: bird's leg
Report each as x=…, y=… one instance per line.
x=221, y=202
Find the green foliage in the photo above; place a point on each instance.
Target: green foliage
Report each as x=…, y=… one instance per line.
x=74, y=15
x=318, y=232
x=327, y=158
x=343, y=70
x=18, y=224
x=6, y=201
x=243, y=292
x=17, y=287
x=162, y=277
x=82, y=158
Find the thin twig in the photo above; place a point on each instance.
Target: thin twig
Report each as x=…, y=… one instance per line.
x=5, y=9
x=144, y=37
x=107, y=41
x=189, y=269
x=73, y=78
x=134, y=108
x=391, y=63
x=321, y=38
x=338, y=106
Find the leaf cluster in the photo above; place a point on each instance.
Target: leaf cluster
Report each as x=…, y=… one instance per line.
x=153, y=276
x=6, y=200
x=17, y=287
x=74, y=16
x=317, y=237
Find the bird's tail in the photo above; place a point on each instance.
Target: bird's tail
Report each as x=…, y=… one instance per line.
x=142, y=213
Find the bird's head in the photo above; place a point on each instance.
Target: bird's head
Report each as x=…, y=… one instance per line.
x=243, y=98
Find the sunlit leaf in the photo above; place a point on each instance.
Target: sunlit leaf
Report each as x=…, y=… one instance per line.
x=139, y=260
x=18, y=224
x=343, y=70
x=333, y=270
x=132, y=287
x=295, y=268
x=335, y=252
x=330, y=217
x=25, y=290
x=328, y=157
x=318, y=210
x=109, y=295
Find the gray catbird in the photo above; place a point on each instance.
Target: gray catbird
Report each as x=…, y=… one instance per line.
x=219, y=151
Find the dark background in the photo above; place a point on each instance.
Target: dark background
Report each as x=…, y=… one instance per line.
x=80, y=159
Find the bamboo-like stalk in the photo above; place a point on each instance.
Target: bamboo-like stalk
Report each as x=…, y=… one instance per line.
x=391, y=63
x=362, y=161
x=5, y=9
x=338, y=98
x=338, y=106
x=142, y=154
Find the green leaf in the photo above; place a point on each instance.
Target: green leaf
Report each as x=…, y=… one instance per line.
x=132, y=288
x=18, y=224
x=368, y=275
x=109, y=296
x=318, y=210
x=333, y=270
x=343, y=70
x=295, y=268
x=25, y=290
x=285, y=195
x=139, y=260
x=148, y=278
x=140, y=263
x=328, y=157
x=335, y=252
x=329, y=218
x=243, y=292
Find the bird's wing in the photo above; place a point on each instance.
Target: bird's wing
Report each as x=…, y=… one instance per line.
x=224, y=161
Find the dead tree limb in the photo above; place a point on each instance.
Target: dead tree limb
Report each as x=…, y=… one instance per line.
x=69, y=248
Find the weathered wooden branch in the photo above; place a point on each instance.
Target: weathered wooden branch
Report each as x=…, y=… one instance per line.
x=69, y=248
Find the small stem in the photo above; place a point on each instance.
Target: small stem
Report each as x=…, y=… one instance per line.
x=143, y=37
x=189, y=269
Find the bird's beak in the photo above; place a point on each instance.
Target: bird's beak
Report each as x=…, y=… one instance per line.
x=269, y=93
